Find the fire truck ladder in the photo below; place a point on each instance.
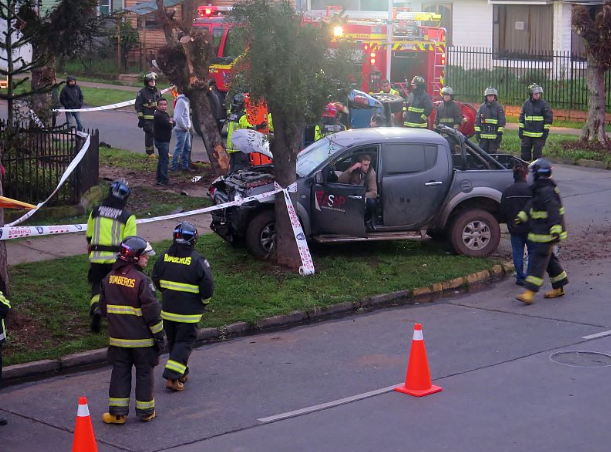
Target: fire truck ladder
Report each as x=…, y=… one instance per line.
x=439, y=70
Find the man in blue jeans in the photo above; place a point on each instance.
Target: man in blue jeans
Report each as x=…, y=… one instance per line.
x=163, y=134
x=513, y=201
x=182, y=119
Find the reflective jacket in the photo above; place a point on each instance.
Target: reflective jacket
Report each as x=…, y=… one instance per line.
x=127, y=298
x=324, y=129
x=185, y=280
x=392, y=91
x=419, y=108
x=5, y=307
x=490, y=120
x=536, y=118
x=106, y=228
x=544, y=213
x=146, y=102
x=449, y=114
x=232, y=126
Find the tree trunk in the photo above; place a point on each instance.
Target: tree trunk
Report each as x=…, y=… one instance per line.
x=42, y=103
x=286, y=147
x=205, y=126
x=594, y=129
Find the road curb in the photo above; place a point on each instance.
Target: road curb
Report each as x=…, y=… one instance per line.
x=50, y=368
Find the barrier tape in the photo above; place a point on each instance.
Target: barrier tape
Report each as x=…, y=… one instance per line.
x=103, y=107
x=11, y=232
x=73, y=164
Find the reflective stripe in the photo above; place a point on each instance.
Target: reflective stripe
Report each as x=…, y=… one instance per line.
x=149, y=117
x=478, y=129
x=176, y=367
x=488, y=136
x=131, y=343
x=140, y=114
x=415, y=124
x=556, y=229
x=491, y=121
x=145, y=405
x=523, y=216
x=563, y=235
x=538, y=214
x=4, y=300
x=521, y=125
x=448, y=120
x=533, y=134
x=560, y=277
x=416, y=109
x=562, y=211
x=180, y=287
x=129, y=310
x=534, y=280
x=195, y=318
x=95, y=299
x=547, y=126
x=534, y=118
x=540, y=238
x=500, y=129
x=116, y=401
x=2, y=334
x=157, y=327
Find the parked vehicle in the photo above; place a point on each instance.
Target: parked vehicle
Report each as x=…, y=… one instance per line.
x=440, y=184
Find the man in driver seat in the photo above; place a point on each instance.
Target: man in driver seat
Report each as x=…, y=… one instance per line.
x=361, y=173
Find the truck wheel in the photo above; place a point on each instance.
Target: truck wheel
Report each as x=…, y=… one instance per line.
x=475, y=233
x=261, y=235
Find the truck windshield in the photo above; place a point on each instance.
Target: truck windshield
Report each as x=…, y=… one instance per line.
x=316, y=153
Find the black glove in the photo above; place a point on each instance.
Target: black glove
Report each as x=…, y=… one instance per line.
x=160, y=342
x=521, y=133
x=141, y=123
x=555, y=236
x=545, y=134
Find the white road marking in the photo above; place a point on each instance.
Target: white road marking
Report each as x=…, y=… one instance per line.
x=597, y=335
x=323, y=406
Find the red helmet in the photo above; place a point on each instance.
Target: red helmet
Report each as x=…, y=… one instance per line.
x=330, y=111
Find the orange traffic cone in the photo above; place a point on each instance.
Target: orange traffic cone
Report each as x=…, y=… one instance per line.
x=84, y=438
x=418, y=378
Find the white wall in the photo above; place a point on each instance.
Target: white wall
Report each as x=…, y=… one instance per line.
x=472, y=23
x=562, y=26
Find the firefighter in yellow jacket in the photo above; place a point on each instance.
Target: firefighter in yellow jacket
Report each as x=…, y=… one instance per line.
x=108, y=224
x=128, y=300
x=185, y=280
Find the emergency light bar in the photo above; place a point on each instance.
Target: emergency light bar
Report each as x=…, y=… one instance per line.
x=212, y=11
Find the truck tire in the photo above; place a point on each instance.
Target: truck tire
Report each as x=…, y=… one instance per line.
x=261, y=235
x=475, y=233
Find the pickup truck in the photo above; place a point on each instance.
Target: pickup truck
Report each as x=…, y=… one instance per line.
x=435, y=183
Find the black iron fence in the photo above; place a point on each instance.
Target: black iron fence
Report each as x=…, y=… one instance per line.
x=35, y=159
x=470, y=70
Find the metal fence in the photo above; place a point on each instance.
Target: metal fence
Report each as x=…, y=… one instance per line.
x=35, y=159
x=470, y=70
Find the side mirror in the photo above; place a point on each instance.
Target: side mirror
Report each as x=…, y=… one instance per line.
x=318, y=177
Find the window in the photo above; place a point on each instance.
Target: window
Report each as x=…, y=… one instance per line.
x=235, y=43
x=445, y=9
x=523, y=31
x=217, y=35
x=104, y=7
x=408, y=158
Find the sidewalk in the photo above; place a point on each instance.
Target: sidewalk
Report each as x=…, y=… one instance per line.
x=553, y=129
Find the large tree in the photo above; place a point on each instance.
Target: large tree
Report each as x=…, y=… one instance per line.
x=593, y=24
x=290, y=65
x=185, y=63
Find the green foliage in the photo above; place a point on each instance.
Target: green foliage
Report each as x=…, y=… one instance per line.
x=592, y=24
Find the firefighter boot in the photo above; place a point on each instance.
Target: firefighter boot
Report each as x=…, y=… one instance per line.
x=108, y=418
x=174, y=385
x=148, y=418
x=527, y=297
x=184, y=379
x=555, y=293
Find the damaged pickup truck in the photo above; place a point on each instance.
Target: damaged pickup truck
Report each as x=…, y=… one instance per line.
x=428, y=183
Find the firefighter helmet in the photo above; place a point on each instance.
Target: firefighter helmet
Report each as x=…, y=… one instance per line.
x=185, y=233
x=148, y=77
x=330, y=111
x=541, y=168
x=119, y=189
x=418, y=81
x=238, y=101
x=447, y=90
x=534, y=89
x=491, y=91
x=133, y=247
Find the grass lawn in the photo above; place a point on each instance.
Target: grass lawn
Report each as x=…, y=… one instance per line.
x=50, y=298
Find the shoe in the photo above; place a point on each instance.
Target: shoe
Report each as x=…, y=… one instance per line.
x=555, y=293
x=527, y=297
x=96, y=320
x=184, y=379
x=149, y=418
x=118, y=419
x=3, y=421
x=174, y=385
x=520, y=282
x=152, y=156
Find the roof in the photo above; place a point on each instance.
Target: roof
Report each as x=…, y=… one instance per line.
x=150, y=7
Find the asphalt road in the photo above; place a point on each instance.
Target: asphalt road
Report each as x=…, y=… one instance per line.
x=503, y=389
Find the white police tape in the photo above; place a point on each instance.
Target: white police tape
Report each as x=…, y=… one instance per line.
x=103, y=107
x=10, y=232
x=73, y=164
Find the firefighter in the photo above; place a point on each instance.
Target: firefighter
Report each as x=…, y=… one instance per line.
x=386, y=88
x=108, y=224
x=330, y=123
x=5, y=307
x=544, y=215
x=490, y=122
x=146, y=104
x=536, y=119
x=128, y=300
x=186, y=283
x=419, y=105
x=448, y=112
x=238, y=159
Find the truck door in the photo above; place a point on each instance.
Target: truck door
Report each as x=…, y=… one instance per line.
x=414, y=183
